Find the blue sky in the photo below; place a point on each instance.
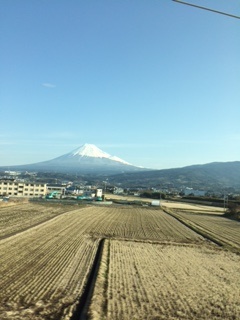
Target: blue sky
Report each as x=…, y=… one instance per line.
x=156, y=83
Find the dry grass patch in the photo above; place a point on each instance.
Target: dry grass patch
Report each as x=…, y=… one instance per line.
x=223, y=230
x=192, y=207
x=44, y=268
x=149, y=281
x=19, y=216
x=141, y=224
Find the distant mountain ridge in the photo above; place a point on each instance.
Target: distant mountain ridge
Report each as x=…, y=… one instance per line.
x=215, y=175
x=86, y=159
x=90, y=160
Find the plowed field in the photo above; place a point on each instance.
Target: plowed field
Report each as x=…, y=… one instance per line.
x=47, y=253
x=19, y=217
x=152, y=281
x=224, y=231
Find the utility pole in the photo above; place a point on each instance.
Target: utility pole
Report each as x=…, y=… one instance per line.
x=225, y=201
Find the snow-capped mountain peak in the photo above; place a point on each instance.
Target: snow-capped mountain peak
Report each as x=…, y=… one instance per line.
x=90, y=150
x=87, y=159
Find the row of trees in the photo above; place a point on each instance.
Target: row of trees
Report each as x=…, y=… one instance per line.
x=152, y=195
x=233, y=210
x=233, y=207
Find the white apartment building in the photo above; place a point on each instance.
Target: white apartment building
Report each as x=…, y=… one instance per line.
x=19, y=189
x=191, y=191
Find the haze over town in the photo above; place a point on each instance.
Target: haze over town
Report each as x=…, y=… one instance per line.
x=155, y=83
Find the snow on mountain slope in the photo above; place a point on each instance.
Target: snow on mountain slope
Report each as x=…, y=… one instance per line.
x=114, y=158
x=90, y=150
x=88, y=159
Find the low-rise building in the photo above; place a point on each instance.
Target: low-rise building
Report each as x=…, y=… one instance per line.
x=56, y=187
x=118, y=190
x=20, y=189
x=191, y=191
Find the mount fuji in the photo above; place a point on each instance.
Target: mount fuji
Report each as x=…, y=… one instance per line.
x=90, y=151
x=86, y=159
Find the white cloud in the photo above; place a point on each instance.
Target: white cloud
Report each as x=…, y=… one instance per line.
x=48, y=85
x=6, y=142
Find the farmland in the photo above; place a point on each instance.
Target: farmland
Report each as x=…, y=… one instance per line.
x=224, y=231
x=47, y=253
x=150, y=281
x=21, y=216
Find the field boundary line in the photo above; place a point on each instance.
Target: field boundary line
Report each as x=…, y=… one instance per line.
x=193, y=227
x=156, y=242
x=81, y=309
x=80, y=312
x=201, y=231
x=14, y=234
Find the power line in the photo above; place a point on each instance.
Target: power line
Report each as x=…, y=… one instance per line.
x=208, y=9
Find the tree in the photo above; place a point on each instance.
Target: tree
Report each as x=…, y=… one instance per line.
x=233, y=210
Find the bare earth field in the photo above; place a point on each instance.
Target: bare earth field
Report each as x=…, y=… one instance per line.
x=153, y=281
x=192, y=207
x=16, y=217
x=225, y=231
x=47, y=252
